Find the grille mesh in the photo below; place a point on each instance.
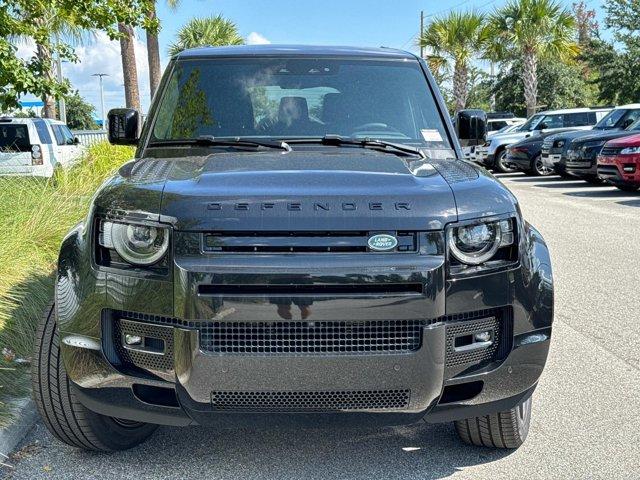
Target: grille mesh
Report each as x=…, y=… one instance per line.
x=610, y=151
x=329, y=337
x=148, y=361
x=473, y=356
x=311, y=401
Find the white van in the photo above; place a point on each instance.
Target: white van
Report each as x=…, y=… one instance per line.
x=36, y=146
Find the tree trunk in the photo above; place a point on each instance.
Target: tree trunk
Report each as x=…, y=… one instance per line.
x=44, y=55
x=530, y=79
x=153, y=56
x=460, y=85
x=129, y=70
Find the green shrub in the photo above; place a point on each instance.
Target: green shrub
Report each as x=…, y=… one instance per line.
x=35, y=215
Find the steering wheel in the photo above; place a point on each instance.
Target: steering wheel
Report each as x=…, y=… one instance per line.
x=377, y=127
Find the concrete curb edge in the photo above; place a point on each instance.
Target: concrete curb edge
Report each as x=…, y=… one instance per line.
x=25, y=417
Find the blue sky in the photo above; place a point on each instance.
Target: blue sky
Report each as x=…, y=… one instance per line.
x=328, y=22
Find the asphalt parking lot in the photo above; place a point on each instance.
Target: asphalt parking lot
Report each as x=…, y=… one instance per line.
x=586, y=417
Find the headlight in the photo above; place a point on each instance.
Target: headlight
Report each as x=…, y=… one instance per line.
x=594, y=144
x=477, y=243
x=630, y=150
x=136, y=244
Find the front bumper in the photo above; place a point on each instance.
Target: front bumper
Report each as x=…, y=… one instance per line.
x=582, y=166
x=255, y=364
x=619, y=171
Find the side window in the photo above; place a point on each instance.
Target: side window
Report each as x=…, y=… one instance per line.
x=43, y=131
x=578, y=119
x=551, y=121
x=58, y=134
x=68, y=136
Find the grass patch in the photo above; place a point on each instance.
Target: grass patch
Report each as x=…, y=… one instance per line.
x=35, y=215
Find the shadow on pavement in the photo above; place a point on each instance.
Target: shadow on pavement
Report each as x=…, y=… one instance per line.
x=418, y=451
x=630, y=203
x=572, y=184
x=609, y=192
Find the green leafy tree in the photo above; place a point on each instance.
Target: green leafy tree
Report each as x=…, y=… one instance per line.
x=208, y=31
x=17, y=20
x=616, y=66
x=561, y=85
x=455, y=38
x=531, y=31
x=80, y=113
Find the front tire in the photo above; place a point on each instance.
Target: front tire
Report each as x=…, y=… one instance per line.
x=538, y=168
x=501, y=163
x=507, y=429
x=63, y=415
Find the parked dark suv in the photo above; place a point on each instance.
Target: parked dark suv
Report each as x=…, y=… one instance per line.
x=582, y=155
x=555, y=147
x=296, y=240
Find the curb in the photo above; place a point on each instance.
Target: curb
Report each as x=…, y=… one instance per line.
x=25, y=417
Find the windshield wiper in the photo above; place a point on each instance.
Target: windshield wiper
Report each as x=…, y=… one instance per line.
x=226, y=142
x=375, y=143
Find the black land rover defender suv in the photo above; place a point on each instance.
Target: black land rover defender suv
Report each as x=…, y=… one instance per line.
x=296, y=240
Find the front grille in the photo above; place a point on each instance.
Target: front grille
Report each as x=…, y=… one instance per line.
x=333, y=337
x=311, y=401
x=609, y=151
x=299, y=337
x=303, y=242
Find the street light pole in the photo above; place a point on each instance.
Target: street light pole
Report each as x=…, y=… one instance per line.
x=104, y=119
x=421, y=32
x=61, y=103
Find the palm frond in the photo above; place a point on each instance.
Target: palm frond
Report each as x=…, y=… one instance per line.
x=206, y=31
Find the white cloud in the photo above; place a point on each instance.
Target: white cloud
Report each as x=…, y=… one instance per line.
x=102, y=55
x=254, y=38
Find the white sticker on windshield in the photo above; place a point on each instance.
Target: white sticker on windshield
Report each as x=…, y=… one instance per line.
x=431, y=135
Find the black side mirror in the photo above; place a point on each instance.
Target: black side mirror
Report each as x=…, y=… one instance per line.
x=627, y=123
x=124, y=126
x=76, y=141
x=471, y=127
x=542, y=126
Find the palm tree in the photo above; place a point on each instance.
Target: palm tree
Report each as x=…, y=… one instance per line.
x=532, y=30
x=59, y=28
x=208, y=31
x=153, y=49
x=129, y=70
x=456, y=37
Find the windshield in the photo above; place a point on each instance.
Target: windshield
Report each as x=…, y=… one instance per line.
x=294, y=98
x=618, y=118
x=531, y=124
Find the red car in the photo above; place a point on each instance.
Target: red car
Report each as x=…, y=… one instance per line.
x=619, y=163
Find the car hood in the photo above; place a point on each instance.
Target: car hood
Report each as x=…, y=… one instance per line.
x=306, y=191
x=511, y=137
x=602, y=136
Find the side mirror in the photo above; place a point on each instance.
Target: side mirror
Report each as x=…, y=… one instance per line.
x=627, y=123
x=76, y=141
x=471, y=127
x=542, y=126
x=124, y=126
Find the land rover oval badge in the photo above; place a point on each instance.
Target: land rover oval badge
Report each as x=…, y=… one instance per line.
x=382, y=242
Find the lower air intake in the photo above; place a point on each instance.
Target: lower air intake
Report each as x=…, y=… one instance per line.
x=311, y=401
x=319, y=338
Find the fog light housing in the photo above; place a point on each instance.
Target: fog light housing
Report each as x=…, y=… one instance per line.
x=132, y=340
x=482, y=336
